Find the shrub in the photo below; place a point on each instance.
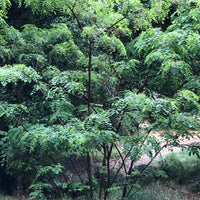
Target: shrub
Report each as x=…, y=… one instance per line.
x=181, y=166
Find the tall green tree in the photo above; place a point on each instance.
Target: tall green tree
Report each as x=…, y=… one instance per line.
x=87, y=75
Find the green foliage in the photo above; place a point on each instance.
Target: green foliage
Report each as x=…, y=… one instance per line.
x=188, y=101
x=181, y=166
x=94, y=76
x=12, y=74
x=10, y=111
x=4, y=4
x=65, y=53
x=36, y=143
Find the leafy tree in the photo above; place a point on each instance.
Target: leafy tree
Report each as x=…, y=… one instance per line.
x=87, y=75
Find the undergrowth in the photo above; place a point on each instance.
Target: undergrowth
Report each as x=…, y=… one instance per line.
x=154, y=191
x=181, y=166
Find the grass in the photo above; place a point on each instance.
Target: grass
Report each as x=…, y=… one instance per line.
x=154, y=191
x=161, y=191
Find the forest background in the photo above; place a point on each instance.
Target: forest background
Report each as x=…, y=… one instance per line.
x=79, y=77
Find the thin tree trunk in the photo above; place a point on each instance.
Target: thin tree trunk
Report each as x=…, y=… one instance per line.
x=102, y=176
x=89, y=174
x=124, y=194
x=89, y=171
x=89, y=79
x=109, y=151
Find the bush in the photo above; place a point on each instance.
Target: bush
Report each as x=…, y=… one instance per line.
x=181, y=166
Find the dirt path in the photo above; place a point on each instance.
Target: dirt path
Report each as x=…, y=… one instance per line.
x=145, y=159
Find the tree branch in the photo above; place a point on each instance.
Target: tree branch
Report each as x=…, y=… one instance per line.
x=114, y=24
x=76, y=17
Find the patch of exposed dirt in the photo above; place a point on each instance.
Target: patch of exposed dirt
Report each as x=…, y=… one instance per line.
x=115, y=163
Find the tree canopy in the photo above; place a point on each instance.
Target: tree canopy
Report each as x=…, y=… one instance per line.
x=78, y=76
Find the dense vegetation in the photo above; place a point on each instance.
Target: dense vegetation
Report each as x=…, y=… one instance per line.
x=79, y=77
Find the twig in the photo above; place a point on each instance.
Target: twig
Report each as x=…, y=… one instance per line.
x=152, y=159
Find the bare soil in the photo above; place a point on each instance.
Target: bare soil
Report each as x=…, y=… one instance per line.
x=185, y=142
